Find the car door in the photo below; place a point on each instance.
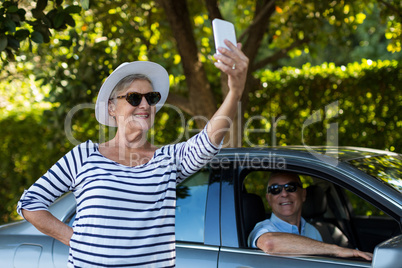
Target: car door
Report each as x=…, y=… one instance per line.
x=64, y=209
x=370, y=224
x=197, y=220
x=60, y=251
x=234, y=252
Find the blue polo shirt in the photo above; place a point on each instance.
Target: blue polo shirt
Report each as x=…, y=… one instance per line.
x=274, y=224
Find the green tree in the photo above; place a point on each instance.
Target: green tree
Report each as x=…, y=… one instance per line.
x=17, y=26
x=362, y=100
x=367, y=41
x=177, y=34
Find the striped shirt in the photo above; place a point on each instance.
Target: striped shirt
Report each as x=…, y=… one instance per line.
x=125, y=215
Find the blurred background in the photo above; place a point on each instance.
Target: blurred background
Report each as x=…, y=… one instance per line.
x=321, y=73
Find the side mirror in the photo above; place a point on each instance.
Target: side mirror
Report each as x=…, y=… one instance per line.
x=388, y=253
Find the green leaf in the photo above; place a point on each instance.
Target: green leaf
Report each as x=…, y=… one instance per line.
x=21, y=34
x=12, y=9
x=73, y=9
x=15, y=17
x=37, y=37
x=58, y=20
x=10, y=25
x=37, y=13
x=85, y=4
x=51, y=14
x=47, y=21
x=41, y=4
x=3, y=43
x=13, y=43
x=69, y=20
x=21, y=12
x=46, y=35
x=30, y=45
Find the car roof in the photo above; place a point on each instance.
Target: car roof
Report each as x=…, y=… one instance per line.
x=341, y=153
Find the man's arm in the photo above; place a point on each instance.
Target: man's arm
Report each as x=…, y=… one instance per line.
x=284, y=243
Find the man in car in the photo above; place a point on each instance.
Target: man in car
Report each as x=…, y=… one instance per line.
x=286, y=232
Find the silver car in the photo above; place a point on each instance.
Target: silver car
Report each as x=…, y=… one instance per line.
x=354, y=198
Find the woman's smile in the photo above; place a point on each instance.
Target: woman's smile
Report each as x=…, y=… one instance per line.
x=141, y=115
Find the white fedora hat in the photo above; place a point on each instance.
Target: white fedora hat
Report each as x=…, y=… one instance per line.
x=155, y=72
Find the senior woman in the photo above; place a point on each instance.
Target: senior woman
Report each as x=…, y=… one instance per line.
x=125, y=188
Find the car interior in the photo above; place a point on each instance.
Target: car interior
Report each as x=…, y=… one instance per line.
x=341, y=217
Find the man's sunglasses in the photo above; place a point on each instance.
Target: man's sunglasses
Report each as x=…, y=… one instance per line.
x=135, y=98
x=290, y=187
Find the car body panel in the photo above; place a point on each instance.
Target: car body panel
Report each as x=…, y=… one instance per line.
x=388, y=253
x=197, y=256
x=231, y=257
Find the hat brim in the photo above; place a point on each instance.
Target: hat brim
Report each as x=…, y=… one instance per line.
x=155, y=72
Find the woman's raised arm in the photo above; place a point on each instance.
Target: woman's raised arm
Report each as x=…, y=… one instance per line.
x=234, y=63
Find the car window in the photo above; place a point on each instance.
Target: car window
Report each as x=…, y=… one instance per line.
x=387, y=168
x=360, y=207
x=346, y=219
x=372, y=225
x=190, y=207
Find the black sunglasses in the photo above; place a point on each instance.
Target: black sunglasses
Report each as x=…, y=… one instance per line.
x=290, y=187
x=135, y=98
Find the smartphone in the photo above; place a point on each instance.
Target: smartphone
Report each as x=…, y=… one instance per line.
x=223, y=30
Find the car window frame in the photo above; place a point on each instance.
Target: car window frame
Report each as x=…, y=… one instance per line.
x=230, y=183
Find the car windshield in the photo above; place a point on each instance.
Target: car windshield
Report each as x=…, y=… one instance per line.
x=387, y=168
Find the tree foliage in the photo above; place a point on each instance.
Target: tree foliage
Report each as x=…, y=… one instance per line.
x=17, y=26
x=298, y=106
x=25, y=154
x=80, y=48
x=366, y=114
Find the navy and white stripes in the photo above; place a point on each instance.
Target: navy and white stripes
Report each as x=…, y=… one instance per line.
x=125, y=215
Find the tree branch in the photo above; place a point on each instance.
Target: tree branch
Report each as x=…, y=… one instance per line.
x=266, y=11
x=278, y=55
x=200, y=96
x=391, y=7
x=213, y=10
x=180, y=102
x=257, y=30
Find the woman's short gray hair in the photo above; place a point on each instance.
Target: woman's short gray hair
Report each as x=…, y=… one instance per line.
x=126, y=82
